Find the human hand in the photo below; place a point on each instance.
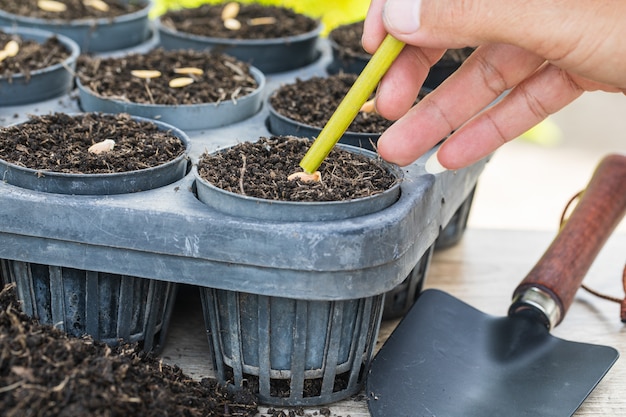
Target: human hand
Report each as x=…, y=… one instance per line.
x=546, y=53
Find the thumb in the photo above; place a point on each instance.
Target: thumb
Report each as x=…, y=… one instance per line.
x=452, y=23
x=550, y=29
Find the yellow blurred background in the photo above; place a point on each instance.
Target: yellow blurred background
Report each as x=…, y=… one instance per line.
x=331, y=13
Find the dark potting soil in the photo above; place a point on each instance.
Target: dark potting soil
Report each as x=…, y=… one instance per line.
x=59, y=142
x=44, y=372
x=31, y=55
x=313, y=101
x=260, y=169
x=74, y=10
x=348, y=37
x=220, y=77
x=206, y=20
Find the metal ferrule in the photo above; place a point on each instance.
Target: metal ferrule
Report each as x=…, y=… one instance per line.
x=540, y=301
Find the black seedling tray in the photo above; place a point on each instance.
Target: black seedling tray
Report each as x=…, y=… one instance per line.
x=168, y=234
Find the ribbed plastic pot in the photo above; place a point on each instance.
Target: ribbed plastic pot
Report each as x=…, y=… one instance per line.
x=287, y=211
x=346, y=62
x=450, y=62
x=453, y=231
x=282, y=125
x=350, y=62
x=100, y=184
x=400, y=299
x=92, y=35
x=187, y=116
x=291, y=352
x=109, y=307
x=347, y=54
x=42, y=84
x=268, y=55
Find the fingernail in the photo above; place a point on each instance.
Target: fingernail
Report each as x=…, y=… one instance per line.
x=433, y=166
x=402, y=16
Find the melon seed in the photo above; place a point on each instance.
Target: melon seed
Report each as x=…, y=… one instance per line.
x=180, y=82
x=304, y=177
x=257, y=21
x=369, y=106
x=189, y=71
x=230, y=11
x=101, y=147
x=232, y=24
x=51, y=6
x=97, y=4
x=146, y=74
x=11, y=48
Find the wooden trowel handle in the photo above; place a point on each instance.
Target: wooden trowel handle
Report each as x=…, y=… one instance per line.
x=552, y=283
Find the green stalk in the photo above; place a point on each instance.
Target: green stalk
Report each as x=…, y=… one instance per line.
x=352, y=103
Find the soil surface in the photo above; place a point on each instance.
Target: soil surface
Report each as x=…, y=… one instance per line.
x=43, y=372
x=59, y=142
x=260, y=169
x=31, y=56
x=312, y=102
x=220, y=77
x=75, y=9
x=206, y=20
x=348, y=39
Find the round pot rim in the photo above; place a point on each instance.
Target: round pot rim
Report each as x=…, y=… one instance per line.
x=240, y=42
x=162, y=126
x=342, y=49
x=352, y=133
x=258, y=76
x=280, y=210
x=84, y=22
x=66, y=41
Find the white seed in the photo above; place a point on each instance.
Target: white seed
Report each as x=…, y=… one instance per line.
x=146, y=74
x=369, y=106
x=181, y=82
x=189, y=71
x=97, y=4
x=257, y=21
x=3, y=55
x=304, y=177
x=230, y=11
x=12, y=48
x=232, y=24
x=101, y=147
x=51, y=6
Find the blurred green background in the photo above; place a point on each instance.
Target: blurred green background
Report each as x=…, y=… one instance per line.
x=331, y=13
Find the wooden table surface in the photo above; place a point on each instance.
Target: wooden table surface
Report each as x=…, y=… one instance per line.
x=482, y=270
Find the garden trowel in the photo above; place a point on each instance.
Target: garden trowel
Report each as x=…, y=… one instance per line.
x=448, y=359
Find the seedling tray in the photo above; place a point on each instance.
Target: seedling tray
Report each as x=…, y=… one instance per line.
x=168, y=234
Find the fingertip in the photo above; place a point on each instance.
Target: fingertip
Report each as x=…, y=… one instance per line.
x=402, y=16
x=385, y=151
x=455, y=154
x=433, y=165
x=390, y=152
x=373, y=30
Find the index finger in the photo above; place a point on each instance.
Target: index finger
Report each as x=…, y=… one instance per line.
x=373, y=29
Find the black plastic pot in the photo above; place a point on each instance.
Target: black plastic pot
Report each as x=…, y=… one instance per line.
x=281, y=125
x=41, y=84
x=109, y=307
x=188, y=116
x=292, y=352
x=268, y=55
x=99, y=184
x=92, y=35
x=450, y=62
